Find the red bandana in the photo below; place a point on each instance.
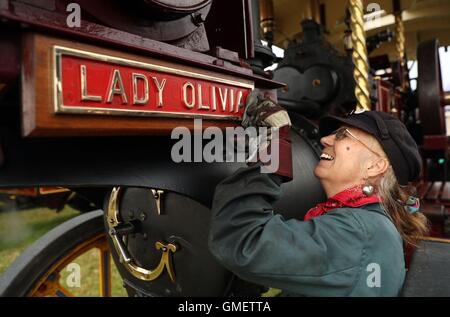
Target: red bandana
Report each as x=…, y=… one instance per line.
x=352, y=197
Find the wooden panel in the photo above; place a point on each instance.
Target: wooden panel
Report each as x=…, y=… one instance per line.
x=39, y=87
x=445, y=196
x=28, y=191
x=384, y=92
x=33, y=191
x=433, y=193
x=434, y=212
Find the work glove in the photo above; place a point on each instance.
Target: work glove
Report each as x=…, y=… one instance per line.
x=261, y=111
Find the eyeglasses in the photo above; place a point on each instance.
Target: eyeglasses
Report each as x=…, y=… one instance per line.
x=341, y=133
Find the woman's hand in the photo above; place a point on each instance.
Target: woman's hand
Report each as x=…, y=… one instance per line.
x=263, y=112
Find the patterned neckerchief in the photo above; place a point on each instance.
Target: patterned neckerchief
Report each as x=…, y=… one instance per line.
x=352, y=197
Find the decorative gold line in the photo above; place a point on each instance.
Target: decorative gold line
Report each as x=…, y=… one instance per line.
x=141, y=113
x=57, y=85
x=113, y=220
x=59, y=107
x=165, y=69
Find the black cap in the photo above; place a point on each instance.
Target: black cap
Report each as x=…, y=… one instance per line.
x=397, y=143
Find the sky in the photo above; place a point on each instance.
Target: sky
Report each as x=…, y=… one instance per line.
x=445, y=67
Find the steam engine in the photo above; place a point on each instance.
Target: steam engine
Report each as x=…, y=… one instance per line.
x=90, y=94
x=80, y=110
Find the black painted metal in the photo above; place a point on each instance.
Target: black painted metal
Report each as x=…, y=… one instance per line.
x=319, y=79
x=130, y=161
x=103, y=162
x=150, y=19
x=50, y=18
x=229, y=26
x=429, y=89
x=185, y=222
x=376, y=40
x=106, y=162
x=428, y=275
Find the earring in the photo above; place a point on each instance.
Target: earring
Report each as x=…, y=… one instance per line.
x=368, y=190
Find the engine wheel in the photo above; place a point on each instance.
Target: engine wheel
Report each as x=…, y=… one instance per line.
x=38, y=270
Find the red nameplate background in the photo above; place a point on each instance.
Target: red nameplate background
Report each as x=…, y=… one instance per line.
x=127, y=87
x=54, y=103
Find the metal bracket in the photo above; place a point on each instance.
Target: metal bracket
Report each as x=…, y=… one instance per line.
x=114, y=221
x=157, y=194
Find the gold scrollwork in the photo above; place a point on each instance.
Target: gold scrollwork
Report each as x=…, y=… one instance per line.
x=114, y=220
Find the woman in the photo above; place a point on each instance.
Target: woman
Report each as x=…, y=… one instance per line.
x=350, y=245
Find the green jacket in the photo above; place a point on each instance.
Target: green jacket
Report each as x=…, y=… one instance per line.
x=347, y=252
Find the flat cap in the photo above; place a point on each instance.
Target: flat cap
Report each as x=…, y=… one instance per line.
x=396, y=141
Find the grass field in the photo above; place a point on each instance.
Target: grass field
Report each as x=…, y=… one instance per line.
x=19, y=229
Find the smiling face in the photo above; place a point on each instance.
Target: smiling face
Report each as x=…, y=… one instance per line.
x=349, y=160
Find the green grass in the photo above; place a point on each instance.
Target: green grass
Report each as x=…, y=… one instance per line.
x=90, y=281
x=19, y=229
